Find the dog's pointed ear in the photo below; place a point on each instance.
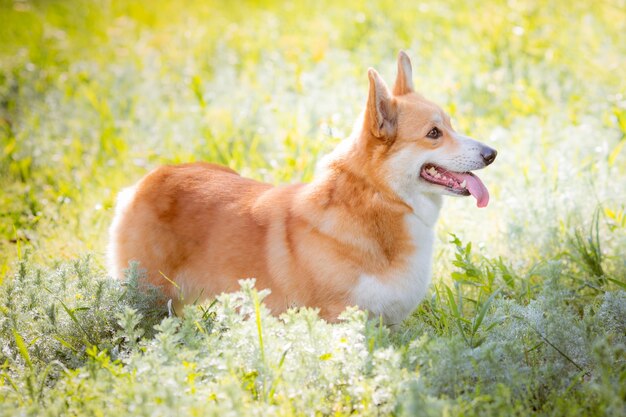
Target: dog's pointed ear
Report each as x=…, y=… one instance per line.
x=404, y=80
x=380, y=113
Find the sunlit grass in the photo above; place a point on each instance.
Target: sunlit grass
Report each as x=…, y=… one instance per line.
x=526, y=310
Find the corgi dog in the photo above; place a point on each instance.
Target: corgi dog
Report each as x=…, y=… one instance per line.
x=360, y=234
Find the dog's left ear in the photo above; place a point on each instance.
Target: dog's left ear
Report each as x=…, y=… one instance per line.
x=380, y=112
x=404, y=80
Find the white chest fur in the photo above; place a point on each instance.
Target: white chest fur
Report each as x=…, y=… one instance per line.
x=397, y=293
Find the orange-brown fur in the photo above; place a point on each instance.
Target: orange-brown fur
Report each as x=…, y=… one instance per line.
x=202, y=217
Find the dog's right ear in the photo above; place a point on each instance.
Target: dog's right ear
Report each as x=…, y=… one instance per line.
x=380, y=113
x=404, y=80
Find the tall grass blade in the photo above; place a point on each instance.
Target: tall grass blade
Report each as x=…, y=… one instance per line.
x=21, y=346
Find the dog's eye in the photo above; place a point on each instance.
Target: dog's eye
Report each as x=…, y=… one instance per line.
x=434, y=133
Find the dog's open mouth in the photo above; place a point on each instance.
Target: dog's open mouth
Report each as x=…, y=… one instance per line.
x=461, y=183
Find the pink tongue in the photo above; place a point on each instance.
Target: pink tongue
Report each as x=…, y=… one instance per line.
x=476, y=188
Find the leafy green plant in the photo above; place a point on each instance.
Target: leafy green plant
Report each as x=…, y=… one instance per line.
x=587, y=251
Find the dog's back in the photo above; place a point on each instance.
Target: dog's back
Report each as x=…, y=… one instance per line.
x=205, y=227
x=193, y=221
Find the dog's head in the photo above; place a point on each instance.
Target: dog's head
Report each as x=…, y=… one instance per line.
x=413, y=144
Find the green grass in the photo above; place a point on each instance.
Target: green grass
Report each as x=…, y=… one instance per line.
x=527, y=311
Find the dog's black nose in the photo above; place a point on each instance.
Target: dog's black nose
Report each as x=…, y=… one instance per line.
x=488, y=154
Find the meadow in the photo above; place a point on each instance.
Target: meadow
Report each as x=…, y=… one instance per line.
x=526, y=314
